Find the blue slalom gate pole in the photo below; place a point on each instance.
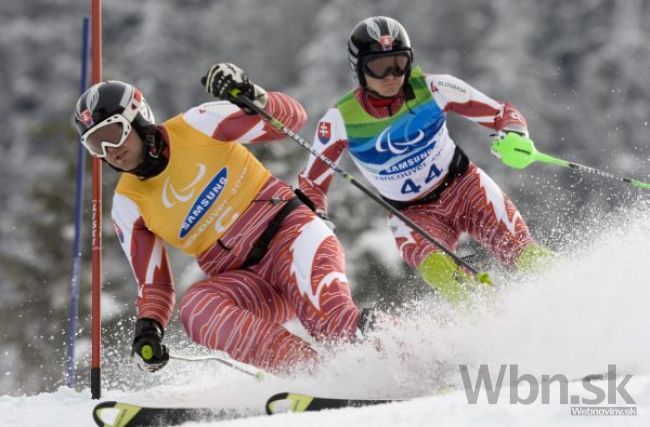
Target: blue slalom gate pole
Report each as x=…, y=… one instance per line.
x=71, y=377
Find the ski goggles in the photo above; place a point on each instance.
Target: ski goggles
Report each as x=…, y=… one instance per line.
x=110, y=133
x=381, y=66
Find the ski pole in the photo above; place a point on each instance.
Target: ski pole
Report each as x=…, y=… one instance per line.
x=96, y=221
x=518, y=152
x=482, y=277
x=73, y=313
x=258, y=375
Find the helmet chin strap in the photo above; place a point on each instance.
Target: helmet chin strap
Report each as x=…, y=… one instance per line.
x=155, y=160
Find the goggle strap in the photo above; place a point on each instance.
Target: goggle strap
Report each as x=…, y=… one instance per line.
x=132, y=107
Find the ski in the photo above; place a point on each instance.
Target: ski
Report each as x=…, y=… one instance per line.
x=295, y=402
x=119, y=414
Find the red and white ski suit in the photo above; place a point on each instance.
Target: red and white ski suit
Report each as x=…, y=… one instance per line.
x=472, y=203
x=213, y=201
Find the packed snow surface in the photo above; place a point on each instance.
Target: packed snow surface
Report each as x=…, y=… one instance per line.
x=586, y=312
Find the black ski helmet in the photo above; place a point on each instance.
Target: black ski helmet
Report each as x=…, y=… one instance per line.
x=375, y=36
x=106, y=99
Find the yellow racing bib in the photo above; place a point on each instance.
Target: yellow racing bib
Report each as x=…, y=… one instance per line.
x=205, y=187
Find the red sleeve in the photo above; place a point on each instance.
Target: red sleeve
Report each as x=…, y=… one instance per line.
x=507, y=117
x=148, y=258
x=156, y=294
x=251, y=128
x=330, y=141
x=455, y=95
x=317, y=177
x=511, y=119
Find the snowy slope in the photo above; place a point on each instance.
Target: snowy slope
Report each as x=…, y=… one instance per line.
x=587, y=312
x=72, y=409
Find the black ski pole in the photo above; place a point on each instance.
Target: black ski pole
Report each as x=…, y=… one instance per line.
x=480, y=276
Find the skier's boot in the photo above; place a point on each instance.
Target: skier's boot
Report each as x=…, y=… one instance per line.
x=448, y=279
x=534, y=257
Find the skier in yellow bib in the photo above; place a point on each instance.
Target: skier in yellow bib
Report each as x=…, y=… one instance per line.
x=190, y=183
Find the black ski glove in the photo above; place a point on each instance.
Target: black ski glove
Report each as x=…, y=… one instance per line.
x=147, y=345
x=223, y=79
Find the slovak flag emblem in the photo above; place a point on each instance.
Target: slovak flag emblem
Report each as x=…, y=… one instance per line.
x=386, y=42
x=86, y=117
x=324, y=132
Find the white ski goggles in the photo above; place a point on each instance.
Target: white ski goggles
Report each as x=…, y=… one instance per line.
x=110, y=133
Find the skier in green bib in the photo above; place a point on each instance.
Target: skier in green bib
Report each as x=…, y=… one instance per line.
x=393, y=124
